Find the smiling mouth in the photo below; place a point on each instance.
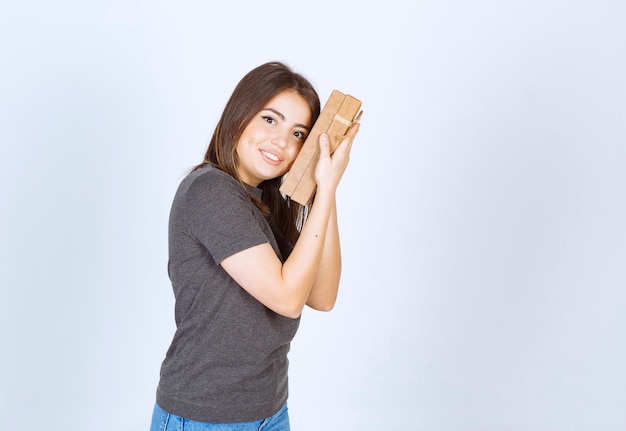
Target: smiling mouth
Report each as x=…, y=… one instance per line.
x=271, y=156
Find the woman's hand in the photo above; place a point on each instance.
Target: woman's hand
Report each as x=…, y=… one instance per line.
x=329, y=168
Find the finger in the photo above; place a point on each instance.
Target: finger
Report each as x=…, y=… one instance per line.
x=324, y=145
x=346, y=143
x=353, y=130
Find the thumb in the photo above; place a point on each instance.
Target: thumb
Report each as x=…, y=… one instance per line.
x=324, y=145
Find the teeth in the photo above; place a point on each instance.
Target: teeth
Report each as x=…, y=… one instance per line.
x=270, y=156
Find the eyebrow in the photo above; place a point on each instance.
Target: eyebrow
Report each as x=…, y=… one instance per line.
x=282, y=117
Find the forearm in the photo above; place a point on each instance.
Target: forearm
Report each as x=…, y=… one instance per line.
x=301, y=270
x=285, y=287
x=325, y=288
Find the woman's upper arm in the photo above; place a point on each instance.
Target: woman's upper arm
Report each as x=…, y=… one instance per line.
x=259, y=271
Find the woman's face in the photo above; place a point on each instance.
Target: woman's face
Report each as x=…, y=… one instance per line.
x=273, y=138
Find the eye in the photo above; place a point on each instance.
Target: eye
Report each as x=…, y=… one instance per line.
x=268, y=119
x=299, y=135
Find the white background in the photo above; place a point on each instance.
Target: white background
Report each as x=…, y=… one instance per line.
x=483, y=213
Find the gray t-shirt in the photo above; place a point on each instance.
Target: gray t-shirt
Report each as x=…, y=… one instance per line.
x=228, y=359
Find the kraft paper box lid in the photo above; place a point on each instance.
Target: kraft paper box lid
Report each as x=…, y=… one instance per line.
x=339, y=113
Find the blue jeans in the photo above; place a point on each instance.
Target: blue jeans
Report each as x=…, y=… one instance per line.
x=164, y=421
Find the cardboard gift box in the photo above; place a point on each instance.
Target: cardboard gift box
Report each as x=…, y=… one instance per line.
x=339, y=113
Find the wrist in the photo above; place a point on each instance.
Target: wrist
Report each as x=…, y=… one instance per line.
x=325, y=190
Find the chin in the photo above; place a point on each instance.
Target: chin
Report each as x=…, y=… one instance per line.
x=273, y=175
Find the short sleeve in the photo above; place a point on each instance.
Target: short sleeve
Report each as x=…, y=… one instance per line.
x=222, y=217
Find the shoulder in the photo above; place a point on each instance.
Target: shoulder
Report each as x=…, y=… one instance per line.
x=209, y=181
x=211, y=176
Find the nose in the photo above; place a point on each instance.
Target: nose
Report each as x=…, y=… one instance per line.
x=280, y=139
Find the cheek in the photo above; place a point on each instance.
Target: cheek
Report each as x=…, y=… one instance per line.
x=245, y=143
x=294, y=151
x=238, y=148
x=251, y=134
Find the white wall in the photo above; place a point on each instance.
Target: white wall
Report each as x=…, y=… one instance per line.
x=482, y=214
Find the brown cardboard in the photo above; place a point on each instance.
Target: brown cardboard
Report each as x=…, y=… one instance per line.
x=335, y=119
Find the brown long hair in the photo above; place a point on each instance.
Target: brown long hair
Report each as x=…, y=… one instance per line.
x=250, y=96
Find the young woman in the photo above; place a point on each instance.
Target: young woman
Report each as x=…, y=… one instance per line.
x=244, y=260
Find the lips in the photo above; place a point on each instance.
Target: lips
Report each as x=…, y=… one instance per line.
x=271, y=157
